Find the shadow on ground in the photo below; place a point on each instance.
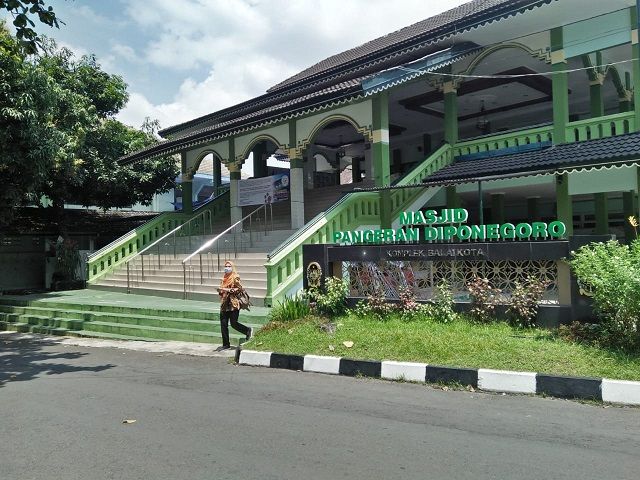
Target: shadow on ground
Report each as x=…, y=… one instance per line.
x=23, y=358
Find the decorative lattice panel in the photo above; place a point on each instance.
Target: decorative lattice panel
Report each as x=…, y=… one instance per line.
x=367, y=277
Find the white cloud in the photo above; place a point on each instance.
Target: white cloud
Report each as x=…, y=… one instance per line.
x=248, y=46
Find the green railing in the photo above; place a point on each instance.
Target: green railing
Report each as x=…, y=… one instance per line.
x=402, y=198
x=120, y=250
x=600, y=127
x=356, y=209
x=543, y=133
x=578, y=131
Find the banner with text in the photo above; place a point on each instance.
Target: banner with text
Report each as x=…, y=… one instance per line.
x=258, y=191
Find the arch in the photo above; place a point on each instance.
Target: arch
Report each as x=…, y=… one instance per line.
x=201, y=156
x=252, y=143
x=540, y=54
x=329, y=119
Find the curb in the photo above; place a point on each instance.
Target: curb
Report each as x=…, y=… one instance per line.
x=602, y=389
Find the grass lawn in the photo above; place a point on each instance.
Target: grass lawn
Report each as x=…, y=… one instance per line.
x=460, y=344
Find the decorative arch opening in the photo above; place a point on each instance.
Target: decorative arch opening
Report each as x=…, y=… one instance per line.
x=506, y=92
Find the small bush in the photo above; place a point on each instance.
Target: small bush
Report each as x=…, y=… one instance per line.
x=375, y=306
x=524, y=302
x=611, y=273
x=330, y=300
x=484, y=299
x=441, y=307
x=292, y=308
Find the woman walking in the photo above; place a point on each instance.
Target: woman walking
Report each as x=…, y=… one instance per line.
x=229, y=290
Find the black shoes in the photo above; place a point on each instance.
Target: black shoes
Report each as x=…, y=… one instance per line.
x=249, y=334
x=223, y=347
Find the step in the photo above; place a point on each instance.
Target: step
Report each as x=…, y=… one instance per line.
x=159, y=333
x=82, y=308
x=177, y=286
x=256, y=300
x=76, y=319
x=214, y=279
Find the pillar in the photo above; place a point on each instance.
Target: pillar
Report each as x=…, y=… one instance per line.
x=259, y=160
x=453, y=199
x=595, y=90
x=564, y=202
x=217, y=174
x=380, y=154
x=187, y=185
x=533, y=208
x=450, y=113
x=356, y=169
x=635, y=55
x=559, y=87
x=624, y=103
x=497, y=208
x=296, y=190
x=628, y=207
x=234, y=193
x=602, y=213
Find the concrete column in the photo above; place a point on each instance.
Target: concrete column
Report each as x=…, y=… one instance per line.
x=560, y=87
x=187, y=185
x=380, y=155
x=450, y=113
x=356, y=169
x=497, y=207
x=595, y=90
x=533, y=208
x=259, y=161
x=234, y=194
x=635, y=55
x=187, y=195
x=628, y=207
x=602, y=213
x=564, y=202
x=217, y=172
x=296, y=190
x=624, y=103
x=368, y=167
x=453, y=199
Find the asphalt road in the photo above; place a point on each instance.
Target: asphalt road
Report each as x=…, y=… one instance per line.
x=203, y=418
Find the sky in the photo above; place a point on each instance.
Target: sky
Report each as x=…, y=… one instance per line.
x=187, y=58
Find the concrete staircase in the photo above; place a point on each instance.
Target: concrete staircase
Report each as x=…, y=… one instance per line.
x=318, y=200
x=120, y=316
x=164, y=275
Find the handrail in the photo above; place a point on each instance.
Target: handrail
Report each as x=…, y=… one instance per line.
x=133, y=231
x=208, y=243
x=312, y=223
x=208, y=264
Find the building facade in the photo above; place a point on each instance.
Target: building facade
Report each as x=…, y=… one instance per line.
x=511, y=109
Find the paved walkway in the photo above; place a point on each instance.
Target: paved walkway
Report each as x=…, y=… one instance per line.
x=98, y=297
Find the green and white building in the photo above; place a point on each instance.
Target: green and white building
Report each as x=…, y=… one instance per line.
x=512, y=109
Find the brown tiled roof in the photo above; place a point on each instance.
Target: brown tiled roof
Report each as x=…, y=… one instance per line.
x=437, y=25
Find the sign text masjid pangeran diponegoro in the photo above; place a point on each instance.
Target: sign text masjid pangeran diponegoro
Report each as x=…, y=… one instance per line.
x=449, y=224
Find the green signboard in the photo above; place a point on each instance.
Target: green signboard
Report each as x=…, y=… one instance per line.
x=450, y=224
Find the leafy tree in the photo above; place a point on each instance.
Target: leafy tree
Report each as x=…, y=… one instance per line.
x=59, y=137
x=27, y=132
x=22, y=12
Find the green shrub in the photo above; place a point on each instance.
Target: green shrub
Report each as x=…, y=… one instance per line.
x=330, y=300
x=484, y=299
x=441, y=306
x=524, y=302
x=376, y=306
x=292, y=308
x=610, y=272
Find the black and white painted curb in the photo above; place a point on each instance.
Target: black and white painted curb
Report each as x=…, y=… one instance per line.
x=613, y=391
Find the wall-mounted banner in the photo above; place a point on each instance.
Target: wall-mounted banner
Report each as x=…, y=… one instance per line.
x=450, y=224
x=258, y=191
